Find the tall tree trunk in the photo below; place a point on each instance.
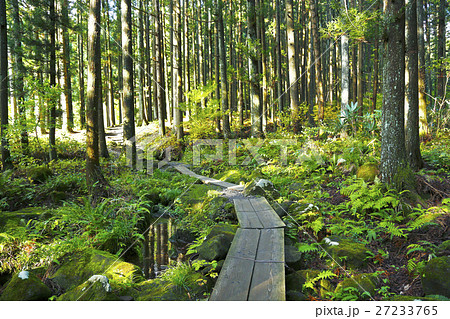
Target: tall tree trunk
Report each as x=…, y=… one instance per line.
x=19, y=70
x=360, y=92
x=317, y=53
x=178, y=76
x=253, y=70
x=141, y=71
x=6, y=158
x=345, y=69
x=280, y=90
x=223, y=72
x=128, y=86
x=264, y=68
x=148, y=64
x=120, y=61
x=441, y=50
x=66, y=66
x=293, y=76
x=376, y=63
x=393, y=152
x=81, y=73
x=423, y=123
x=239, y=73
x=412, y=89
x=160, y=82
x=112, y=113
x=94, y=177
x=52, y=102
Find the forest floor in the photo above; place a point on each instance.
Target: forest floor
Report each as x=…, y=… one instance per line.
x=328, y=188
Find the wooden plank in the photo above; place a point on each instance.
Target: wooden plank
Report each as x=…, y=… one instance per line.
x=268, y=282
x=248, y=219
x=260, y=203
x=234, y=280
x=243, y=204
x=235, y=277
x=271, y=245
x=270, y=219
x=268, y=274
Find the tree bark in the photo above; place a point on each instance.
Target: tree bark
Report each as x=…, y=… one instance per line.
x=128, y=86
x=66, y=66
x=280, y=82
x=254, y=76
x=393, y=152
x=293, y=76
x=19, y=69
x=160, y=72
x=6, y=158
x=81, y=73
x=178, y=76
x=223, y=72
x=412, y=89
x=317, y=53
x=440, y=89
x=52, y=102
x=423, y=122
x=94, y=177
x=345, y=69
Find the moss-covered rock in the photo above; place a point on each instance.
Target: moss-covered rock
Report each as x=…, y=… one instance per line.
x=293, y=257
x=346, y=251
x=407, y=298
x=96, y=288
x=261, y=187
x=217, y=242
x=230, y=176
x=196, y=194
x=368, y=172
x=435, y=277
x=362, y=282
x=215, y=248
x=78, y=267
x=16, y=222
x=443, y=249
x=39, y=174
x=296, y=280
x=294, y=295
x=26, y=286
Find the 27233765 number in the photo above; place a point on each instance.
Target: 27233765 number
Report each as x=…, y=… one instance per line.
x=406, y=310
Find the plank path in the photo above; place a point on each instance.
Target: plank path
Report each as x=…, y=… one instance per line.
x=254, y=266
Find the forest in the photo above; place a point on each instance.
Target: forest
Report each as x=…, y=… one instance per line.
x=149, y=146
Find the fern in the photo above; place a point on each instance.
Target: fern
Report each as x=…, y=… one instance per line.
x=392, y=229
x=307, y=248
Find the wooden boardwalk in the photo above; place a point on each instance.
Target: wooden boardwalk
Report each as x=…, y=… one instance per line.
x=254, y=266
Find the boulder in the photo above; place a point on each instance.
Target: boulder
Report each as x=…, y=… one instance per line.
x=26, y=286
x=283, y=208
x=159, y=290
x=39, y=174
x=435, y=278
x=293, y=295
x=362, y=282
x=230, y=176
x=217, y=242
x=181, y=238
x=368, y=172
x=345, y=251
x=443, y=249
x=261, y=187
x=293, y=257
x=78, y=267
x=96, y=288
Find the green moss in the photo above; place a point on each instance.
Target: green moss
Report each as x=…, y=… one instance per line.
x=79, y=267
x=15, y=223
x=230, y=176
x=368, y=172
x=348, y=252
x=362, y=282
x=39, y=174
x=88, y=292
x=158, y=290
x=407, y=298
x=435, y=278
x=29, y=288
x=196, y=194
x=215, y=248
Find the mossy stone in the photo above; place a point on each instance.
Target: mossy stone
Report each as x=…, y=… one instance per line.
x=362, y=282
x=443, y=249
x=160, y=290
x=39, y=174
x=226, y=229
x=230, y=176
x=89, y=292
x=345, y=251
x=16, y=222
x=78, y=267
x=407, y=298
x=26, y=287
x=196, y=194
x=435, y=277
x=215, y=248
x=293, y=257
x=293, y=295
x=368, y=172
